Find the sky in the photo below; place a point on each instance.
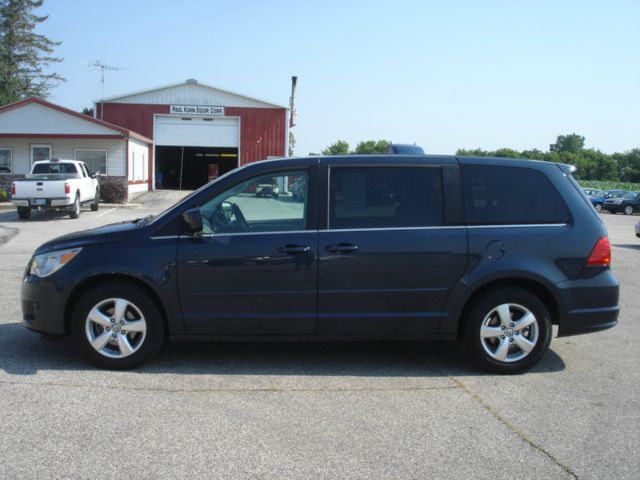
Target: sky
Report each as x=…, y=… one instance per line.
x=445, y=75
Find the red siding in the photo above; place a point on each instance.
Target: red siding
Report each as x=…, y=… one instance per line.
x=133, y=116
x=262, y=130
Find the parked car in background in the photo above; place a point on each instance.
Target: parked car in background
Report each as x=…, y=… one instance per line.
x=489, y=251
x=598, y=201
x=267, y=190
x=592, y=192
x=627, y=204
x=56, y=185
x=638, y=229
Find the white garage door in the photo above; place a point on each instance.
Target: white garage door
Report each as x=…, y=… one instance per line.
x=179, y=131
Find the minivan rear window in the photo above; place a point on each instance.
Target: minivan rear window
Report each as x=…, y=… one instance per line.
x=385, y=197
x=510, y=195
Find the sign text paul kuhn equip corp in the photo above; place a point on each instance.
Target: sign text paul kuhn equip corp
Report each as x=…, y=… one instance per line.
x=196, y=110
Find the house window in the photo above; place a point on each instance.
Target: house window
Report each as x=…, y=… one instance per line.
x=40, y=152
x=94, y=158
x=5, y=160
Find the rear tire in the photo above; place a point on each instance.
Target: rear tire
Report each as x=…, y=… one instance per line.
x=628, y=210
x=507, y=330
x=101, y=319
x=96, y=202
x=75, y=213
x=24, y=213
x=598, y=207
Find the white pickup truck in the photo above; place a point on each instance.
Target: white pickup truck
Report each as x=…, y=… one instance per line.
x=56, y=185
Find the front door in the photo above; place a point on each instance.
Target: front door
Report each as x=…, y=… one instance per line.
x=388, y=259
x=254, y=269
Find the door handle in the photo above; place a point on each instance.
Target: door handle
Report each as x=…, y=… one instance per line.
x=294, y=249
x=341, y=248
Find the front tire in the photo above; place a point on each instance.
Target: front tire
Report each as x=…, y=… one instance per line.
x=117, y=326
x=75, y=213
x=628, y=210
x=24, y=213
x=507, y=330
x=598, y=207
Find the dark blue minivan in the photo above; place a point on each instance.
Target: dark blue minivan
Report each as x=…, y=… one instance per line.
x=489, y=251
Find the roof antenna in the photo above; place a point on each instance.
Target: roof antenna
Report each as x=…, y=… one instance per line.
x=98, y=65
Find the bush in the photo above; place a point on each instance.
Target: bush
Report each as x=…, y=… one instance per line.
x=606, y=185
x=4, y=196
x=112, y=192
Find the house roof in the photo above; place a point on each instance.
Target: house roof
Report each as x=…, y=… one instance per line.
x=190, y=82
x=53, y=106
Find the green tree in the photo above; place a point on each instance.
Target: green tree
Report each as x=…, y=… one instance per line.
x=87, y=111
x=372, y=147
x=604, y=167
x=476, y=152
x=24, y=54
x=568, y=143
x=506, y=153
x=292, y=143
x=338, y=148
x=533, y=154
x=628, y=165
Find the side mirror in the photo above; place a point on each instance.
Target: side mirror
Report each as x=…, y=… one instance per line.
x=193, y=221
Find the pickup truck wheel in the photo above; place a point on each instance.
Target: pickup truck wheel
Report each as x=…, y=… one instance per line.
x=75, y=213
x=117, y=326
x=508, y=330
x=24, y=213
x=96, y=202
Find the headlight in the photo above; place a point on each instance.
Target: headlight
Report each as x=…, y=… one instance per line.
x=45, y=264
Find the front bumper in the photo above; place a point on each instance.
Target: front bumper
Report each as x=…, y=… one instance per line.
x=43, y=303
x=590, y=304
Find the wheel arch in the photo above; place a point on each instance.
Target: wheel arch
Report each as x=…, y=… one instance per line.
x=541, y=291
x=89, y=283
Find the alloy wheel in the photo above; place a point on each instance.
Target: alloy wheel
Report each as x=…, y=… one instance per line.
x=509, y=332
x=115, y=328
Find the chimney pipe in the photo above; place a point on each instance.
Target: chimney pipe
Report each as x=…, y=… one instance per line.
x=292, y=103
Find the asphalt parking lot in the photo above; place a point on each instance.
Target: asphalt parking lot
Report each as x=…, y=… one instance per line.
x=367, y=410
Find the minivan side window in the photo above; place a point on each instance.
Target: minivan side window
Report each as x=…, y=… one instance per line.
x=266, y=203
x=385, y=197
x=510, y=196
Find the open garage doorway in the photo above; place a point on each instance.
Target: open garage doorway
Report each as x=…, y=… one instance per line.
x=188, y=168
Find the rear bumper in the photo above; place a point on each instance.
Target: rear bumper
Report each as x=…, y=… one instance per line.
x=46, y=203
x=590, y=305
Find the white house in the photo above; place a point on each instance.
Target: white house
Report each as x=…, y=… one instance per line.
x=33, y=129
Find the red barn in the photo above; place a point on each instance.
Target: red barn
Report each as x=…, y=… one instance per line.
x=198, y=131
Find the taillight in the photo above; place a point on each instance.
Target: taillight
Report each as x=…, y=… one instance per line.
x=13, y=189
x=601, y=254
x=67, y=188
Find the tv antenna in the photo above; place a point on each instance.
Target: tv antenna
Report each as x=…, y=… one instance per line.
x=98, y=65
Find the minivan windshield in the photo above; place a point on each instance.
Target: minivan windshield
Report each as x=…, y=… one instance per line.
x=189, y=197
